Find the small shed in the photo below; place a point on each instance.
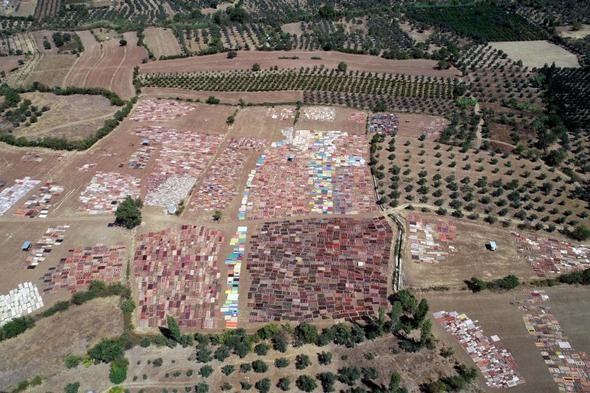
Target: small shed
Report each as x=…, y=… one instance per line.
x=26, y=245
x=492, y=245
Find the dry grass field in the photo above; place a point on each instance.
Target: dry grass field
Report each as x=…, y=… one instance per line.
x=232, y=98
x=537, y=53
x=415, y=125
x=161, y=42
x=470, y=258
x=42, y=350
x=26, y=8
x=106, y=64
x=71, y=117
x=567, y=32
x=51, y=69
x=245, y=60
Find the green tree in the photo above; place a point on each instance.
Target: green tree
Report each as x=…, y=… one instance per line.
x=327, y=379
x=106, y=351
x=255, y=67
x=205, y=371
x=173, y=328
x=306, y=383
x=342, y=66
x=302, y=361
x=263, y=386
x=324, y=358
x=118, y=371
x=128, y=213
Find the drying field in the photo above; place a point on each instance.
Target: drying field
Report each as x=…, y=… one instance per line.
x=162, y=42
x=318, y=269
x=537, y=53
x=63, y=256
x=106, y=64
x=72, y=117
x=311, y=172
x=177, y=274
x=330, y=118
x=245, y=60
x=263, y=123
x=526, y=323
x=445, y=252
x=42, y=350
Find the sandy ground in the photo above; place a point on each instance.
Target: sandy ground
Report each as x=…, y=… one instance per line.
x=26, y=8
x=245, y=60
x=567, y=32
x=471, y=258
x=42, y=350
x=161, y=42
x=106, y=64
x=537, y=53
x=412, y=124
x=9, y=63
x=72, y=117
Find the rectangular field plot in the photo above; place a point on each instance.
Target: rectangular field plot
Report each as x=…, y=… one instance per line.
x=570, y=368
x=493, y=360
x=322, y=172
x=20, y=301
x=11, y=195
x=318, y=269
x=219, y=188
x=160, y=110
x=182, y=158
x=38, y=205
x=177, y=274
x=446, y=251
x=54, y=236
x=431, y=241
x=106, y=190
x=550, y=255
x=537, y=53
x=83, y=265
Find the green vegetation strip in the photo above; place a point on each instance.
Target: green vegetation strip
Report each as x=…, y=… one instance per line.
x=305, y=79
x=12, y=99
x=483, y=22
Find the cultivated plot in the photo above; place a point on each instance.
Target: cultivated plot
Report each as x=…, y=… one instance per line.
x=537, y=53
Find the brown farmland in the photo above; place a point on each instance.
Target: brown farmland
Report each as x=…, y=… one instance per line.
x=106, y=64
x=245, y=60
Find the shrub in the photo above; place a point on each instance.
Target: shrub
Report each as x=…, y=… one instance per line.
x=284, y=384
x=72, y=387
x=118, y=371
x=302, y=361
x=259, y=366
x=281, y=362
x=205, y=371
x=228, y=369
x=325, y=358
x=261, y=349
x=72, y=361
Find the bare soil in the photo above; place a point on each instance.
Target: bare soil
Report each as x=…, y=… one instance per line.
x=537, y=53
x=161, y=42
x=245, y=60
